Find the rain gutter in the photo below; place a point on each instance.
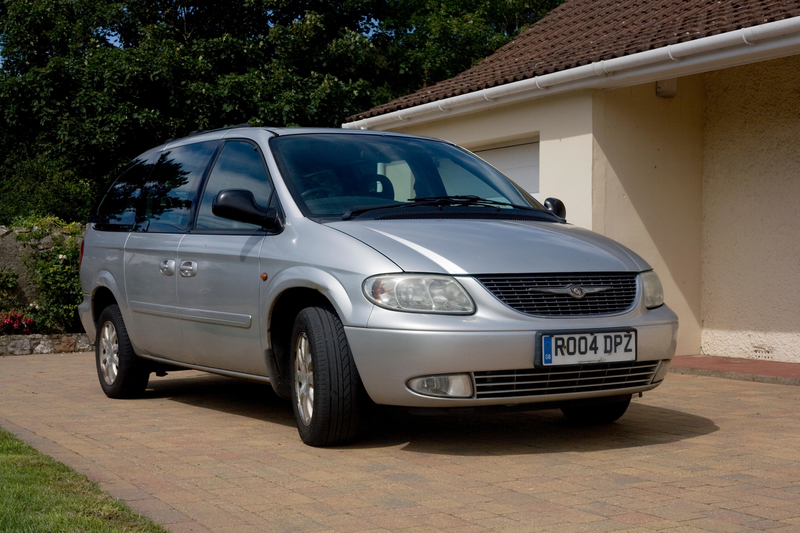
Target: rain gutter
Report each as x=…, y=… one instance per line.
x=739, y=47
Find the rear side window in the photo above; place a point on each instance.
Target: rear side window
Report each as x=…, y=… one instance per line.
x=118, y=208
x=239, y=166
x=169, y=193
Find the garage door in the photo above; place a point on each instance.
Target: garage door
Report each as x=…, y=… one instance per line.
x=519, y=162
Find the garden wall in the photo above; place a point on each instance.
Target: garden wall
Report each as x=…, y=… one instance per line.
x=58, y=343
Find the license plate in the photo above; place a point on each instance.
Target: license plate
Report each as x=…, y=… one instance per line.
x=587, y=348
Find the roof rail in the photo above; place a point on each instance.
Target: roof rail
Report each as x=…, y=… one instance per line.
x=198, y=132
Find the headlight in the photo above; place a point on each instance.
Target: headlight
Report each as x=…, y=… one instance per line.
x=653, y=292
x=419, y=293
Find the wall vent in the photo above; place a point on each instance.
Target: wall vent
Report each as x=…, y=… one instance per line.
x=762, y=352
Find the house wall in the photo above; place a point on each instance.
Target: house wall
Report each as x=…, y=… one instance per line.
x=563, y=126
x=627, y=164
x=751, y=211
x=647, y=189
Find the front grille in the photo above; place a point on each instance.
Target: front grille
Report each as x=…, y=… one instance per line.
x=563, y=380
x=519, y=291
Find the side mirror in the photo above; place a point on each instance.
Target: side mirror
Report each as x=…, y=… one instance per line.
x=557, y=207
x=240, y=205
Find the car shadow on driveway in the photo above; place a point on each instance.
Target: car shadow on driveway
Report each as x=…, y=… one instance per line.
x=224, y=394
x=527, y=432
x=471, y=433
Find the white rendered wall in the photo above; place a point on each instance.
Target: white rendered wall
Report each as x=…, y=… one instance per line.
x=648, y=175
x=563, y=127
x=751, y=212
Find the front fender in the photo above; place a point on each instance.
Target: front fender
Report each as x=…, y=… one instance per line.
x=346, y=304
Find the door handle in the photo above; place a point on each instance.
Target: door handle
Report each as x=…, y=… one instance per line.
x=167, y=267
x=188, y=269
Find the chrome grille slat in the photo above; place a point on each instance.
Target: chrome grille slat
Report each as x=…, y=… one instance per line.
x=579, y=379
x=518, y=291
x=556, y=390
x=583, y=370
x=559, y=380
x=527, y=392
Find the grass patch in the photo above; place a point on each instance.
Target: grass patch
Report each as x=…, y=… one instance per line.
x=40, y=495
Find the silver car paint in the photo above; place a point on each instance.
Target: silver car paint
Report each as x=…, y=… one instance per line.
x=102, y=267
x=218, y=307
x=474, y=247
x=389, y=347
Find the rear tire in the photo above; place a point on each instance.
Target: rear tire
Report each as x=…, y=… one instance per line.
x=589, y=415
x=327, y=394
x=121, y=372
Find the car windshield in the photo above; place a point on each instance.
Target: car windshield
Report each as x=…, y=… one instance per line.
x=339, y=176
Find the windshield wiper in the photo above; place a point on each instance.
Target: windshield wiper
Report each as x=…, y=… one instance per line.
x=470, y=199
x=440, y=201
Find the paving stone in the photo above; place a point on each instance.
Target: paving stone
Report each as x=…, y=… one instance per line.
x=202, y=453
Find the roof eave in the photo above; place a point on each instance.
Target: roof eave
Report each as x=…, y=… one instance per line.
x=747, y=45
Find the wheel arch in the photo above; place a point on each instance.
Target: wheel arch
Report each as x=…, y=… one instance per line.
x=281, y=319
x=102, y=298
x=290, y=292
x=105, y=292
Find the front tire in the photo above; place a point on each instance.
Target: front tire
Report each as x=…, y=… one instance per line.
x=327, y=394
x=121, y=372
x=604, y=413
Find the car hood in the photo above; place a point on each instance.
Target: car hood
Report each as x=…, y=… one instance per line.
x=491, y=246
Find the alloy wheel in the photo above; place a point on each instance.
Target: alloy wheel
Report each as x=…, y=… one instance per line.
x=304, y=379
x=109, y=353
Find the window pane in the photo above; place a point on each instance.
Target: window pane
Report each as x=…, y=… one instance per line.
x=170, y=191
x=239, y=166
x=117, y=210
x=459, y=181
x=329, y=174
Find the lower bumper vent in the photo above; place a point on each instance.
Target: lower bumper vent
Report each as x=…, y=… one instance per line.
x=563, y=380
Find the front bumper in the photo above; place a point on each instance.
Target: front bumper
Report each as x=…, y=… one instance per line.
x=387, y=358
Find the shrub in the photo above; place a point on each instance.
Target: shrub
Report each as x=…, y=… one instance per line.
x=52, y=249
x=15, y=324
x=8, y=286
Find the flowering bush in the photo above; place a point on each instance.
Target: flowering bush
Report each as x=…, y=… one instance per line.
x=51, y=260
x=15, y=324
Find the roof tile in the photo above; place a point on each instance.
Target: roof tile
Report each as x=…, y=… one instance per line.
x=580, y=32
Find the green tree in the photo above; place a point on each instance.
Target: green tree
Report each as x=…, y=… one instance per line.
x=425, y=42
x=86, y=85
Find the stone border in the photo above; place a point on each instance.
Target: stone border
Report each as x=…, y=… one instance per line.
x=59, y=343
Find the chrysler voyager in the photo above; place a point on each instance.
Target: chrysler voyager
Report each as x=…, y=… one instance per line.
x=344, y=267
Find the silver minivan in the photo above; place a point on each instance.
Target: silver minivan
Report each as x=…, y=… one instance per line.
x=345, y=267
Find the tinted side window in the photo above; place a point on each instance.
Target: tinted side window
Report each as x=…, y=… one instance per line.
x=169, y=193
x=117, y=210
x=239, y=166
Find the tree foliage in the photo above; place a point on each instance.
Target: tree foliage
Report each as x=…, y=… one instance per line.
x=86, y=85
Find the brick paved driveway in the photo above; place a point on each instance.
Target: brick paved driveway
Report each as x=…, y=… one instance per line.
x=207, y=453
